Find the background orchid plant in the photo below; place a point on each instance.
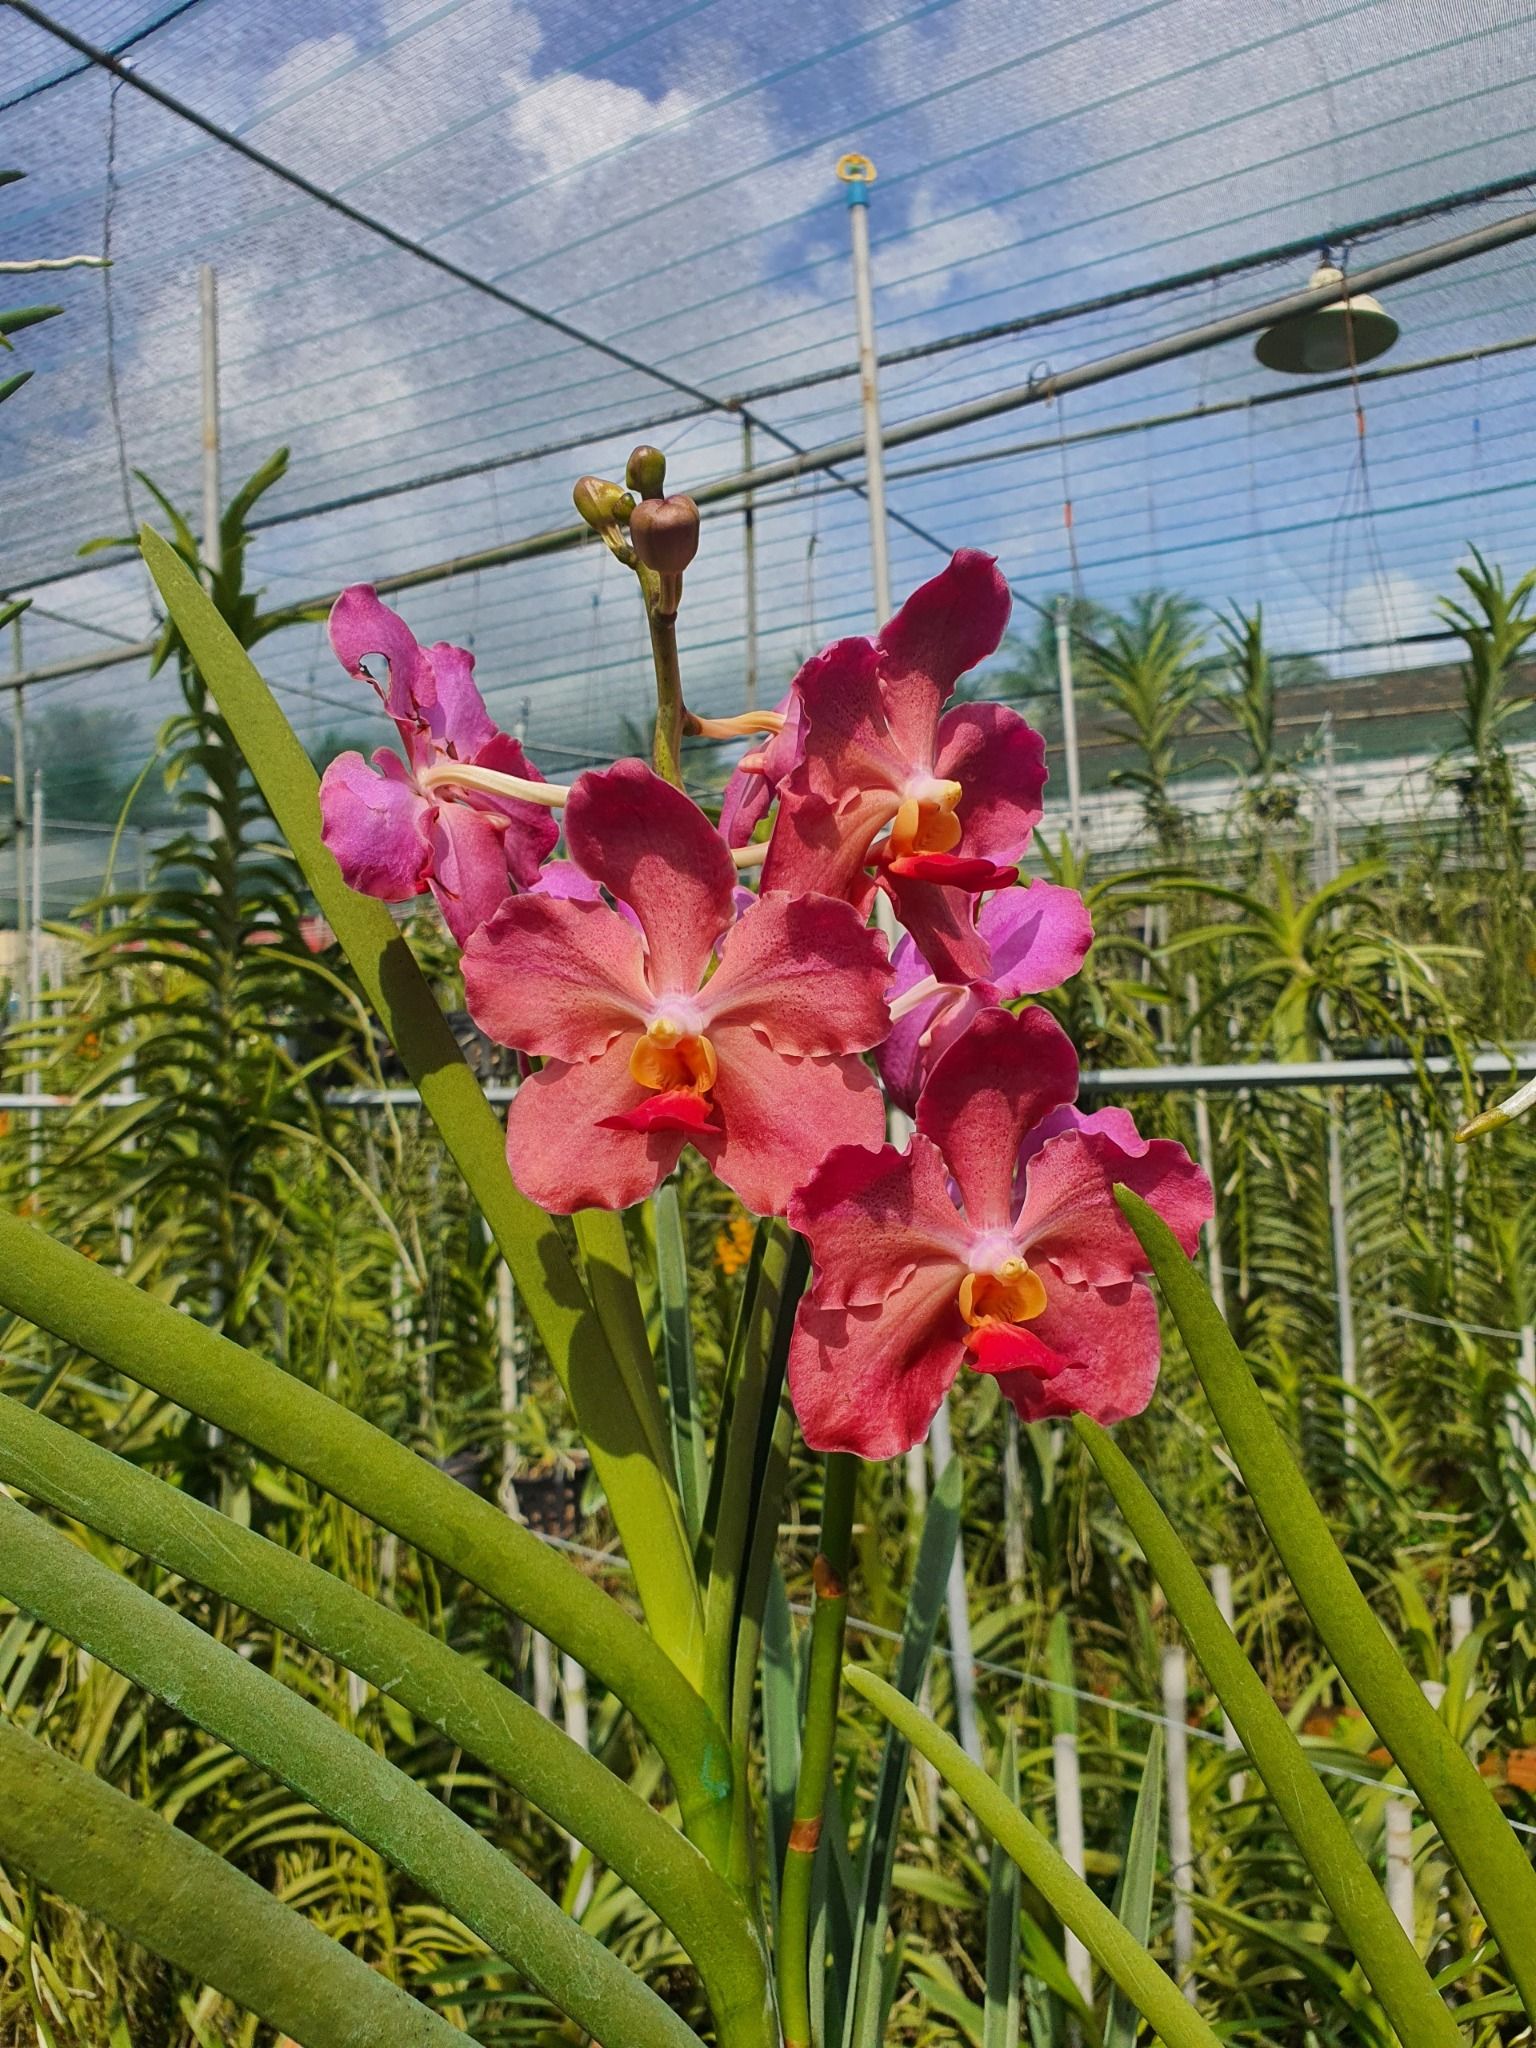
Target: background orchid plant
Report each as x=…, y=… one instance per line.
x=675, y=981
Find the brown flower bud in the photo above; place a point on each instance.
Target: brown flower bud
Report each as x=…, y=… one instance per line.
x=664, y=533
x=646, y=472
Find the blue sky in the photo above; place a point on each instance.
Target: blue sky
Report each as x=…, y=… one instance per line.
x=664, y=179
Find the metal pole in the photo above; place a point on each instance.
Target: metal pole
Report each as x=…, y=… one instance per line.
x=857, y=174
x=1338, y=1211
x=34, y=1080
x=1069, y=723
x=749, y=567
x=23, y=971
x=1206, y=1151
x=208, y=325
x=1181, y=1855
x=1221, y=1593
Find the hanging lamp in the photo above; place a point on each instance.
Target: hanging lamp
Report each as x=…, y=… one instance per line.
x=1330, y=338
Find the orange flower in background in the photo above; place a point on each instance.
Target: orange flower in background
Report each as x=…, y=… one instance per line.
x=733, y=1245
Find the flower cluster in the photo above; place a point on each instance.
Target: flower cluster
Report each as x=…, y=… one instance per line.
x=662, y=1003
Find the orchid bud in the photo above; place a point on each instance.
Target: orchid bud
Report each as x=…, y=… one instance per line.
x=665, y=535
x=605, y=508
x=646, y=472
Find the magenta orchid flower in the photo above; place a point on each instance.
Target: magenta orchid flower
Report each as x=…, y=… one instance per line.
x=398, y=828
x=646, y=1049
x=1036, y=937
x=755, y=781
x=941, y=807
x=994, y=1238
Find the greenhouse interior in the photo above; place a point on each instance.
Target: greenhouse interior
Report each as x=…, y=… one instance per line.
x=767, y=998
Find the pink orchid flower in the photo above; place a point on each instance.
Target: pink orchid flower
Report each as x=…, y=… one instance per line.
x=645, y=1049
x=755, y=781
x=401, y=827
x=941, y=806
x=1036, y=937
x=993, y=1238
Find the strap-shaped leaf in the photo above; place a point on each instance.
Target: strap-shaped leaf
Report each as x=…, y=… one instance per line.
x=119, y=1862
x=617, y=1431
x=228, y=1385
x=1487, y=1853
x=1124, y=1959
x=1001, y=2001
x=1357, y=1901
x=689, y=1448
x=82, y=1480
x=50, y=1576
x=864, y=2013
x=1133, y=1894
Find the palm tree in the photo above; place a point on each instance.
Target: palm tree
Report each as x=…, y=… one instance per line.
x=1147, y=669
x=1495, y=626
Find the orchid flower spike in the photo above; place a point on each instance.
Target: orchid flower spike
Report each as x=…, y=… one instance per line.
x=993, y=1239
x=399, y=827
x=646, y=1049
x=941, y=807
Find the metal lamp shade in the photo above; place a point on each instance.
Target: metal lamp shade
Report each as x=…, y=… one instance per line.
x=1322, y=343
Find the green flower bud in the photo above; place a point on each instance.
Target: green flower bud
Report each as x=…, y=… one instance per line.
x=646, y=472
x=606, y=509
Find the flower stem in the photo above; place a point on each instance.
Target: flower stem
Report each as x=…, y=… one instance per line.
x=667, y=747
x=465, y=775
x=817, y=1742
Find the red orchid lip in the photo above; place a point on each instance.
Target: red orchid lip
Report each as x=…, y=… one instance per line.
x=953, y=870
x=1008, y=1347
x=676, y=1109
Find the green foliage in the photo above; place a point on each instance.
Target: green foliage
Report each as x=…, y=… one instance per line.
x=342, y=1246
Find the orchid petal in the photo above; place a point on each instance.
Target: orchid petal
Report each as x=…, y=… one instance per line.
x=1110, y=1339
x=530, y=832
x=1000, y=1077
x=999, y=761
x=653, y=848
x=557, y=976
x=1069, y=1214
x=361, y=625
x=820, y=847
x=1157, y=1169
x=375, y=824
x=751, y=790
x=946, y=626
x=870, y=1379
x=849, y=744
x=875, y=1217
x=469, y=867
x=943, y=927
x=1038, y=936
x=805, y=973
x=563, y=1151
x=780, y=1117
x=459, y=718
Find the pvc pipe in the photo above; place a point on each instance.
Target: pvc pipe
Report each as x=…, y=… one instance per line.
x=1069, y=1840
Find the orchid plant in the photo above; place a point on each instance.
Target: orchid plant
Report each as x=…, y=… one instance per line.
x=826, y=992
